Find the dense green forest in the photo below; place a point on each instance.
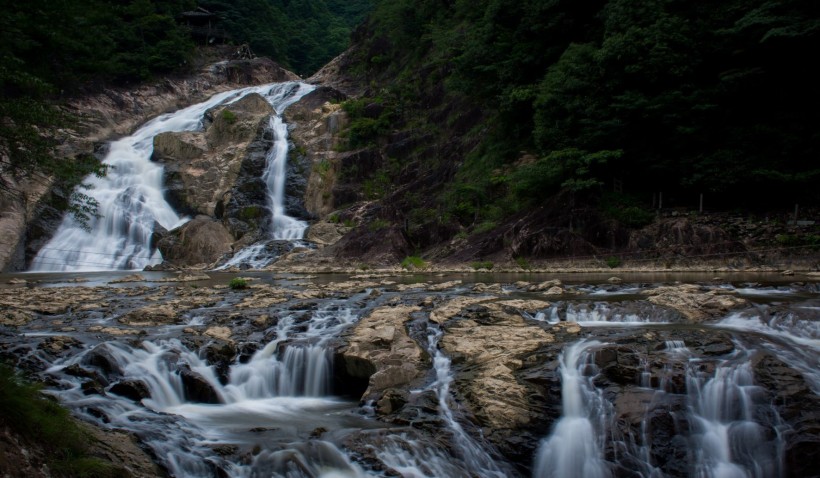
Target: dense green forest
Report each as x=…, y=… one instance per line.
x=584, y=98
x=301, y=35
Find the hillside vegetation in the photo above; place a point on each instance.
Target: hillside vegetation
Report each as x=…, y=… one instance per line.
x=642, y=97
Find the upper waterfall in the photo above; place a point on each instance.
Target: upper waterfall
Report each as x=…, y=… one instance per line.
x=131, y=196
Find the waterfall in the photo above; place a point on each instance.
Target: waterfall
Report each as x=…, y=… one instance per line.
x=282, y=391
x=415, y=460
x=728, y=441
x=576, y=446
x=131, y=196
x=283, y=227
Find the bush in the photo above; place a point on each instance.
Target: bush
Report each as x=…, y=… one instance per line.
x=523, y=263
x=482, y=265
x=613, y=262
x=413, y=262
x=238, y=283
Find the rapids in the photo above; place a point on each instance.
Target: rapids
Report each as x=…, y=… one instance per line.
x=253, y=383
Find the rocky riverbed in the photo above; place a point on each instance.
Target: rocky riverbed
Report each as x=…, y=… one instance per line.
x=425, y=375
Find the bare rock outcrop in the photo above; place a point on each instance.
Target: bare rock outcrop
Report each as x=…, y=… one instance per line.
x=203, y=240
x=695, y=302
x=201, y=168
x=487, y=348
x=381, y=351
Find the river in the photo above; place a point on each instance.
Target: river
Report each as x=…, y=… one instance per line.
x=605, y=380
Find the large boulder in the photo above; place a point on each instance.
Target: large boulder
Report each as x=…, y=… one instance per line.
x=695, y=302
x=201, y=168
x=380, y=351
x=203, y=240
x=491, y=345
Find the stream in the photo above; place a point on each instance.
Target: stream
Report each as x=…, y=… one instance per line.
x=251, y=383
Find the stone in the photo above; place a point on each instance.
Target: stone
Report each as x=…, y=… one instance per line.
x=221, y=333
x=196, y=387
x=380, y=351
x=135, y=390
x=201, y=240
x=695, y=303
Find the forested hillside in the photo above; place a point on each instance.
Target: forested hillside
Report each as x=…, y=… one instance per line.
x=300, y=35
x=491, y=108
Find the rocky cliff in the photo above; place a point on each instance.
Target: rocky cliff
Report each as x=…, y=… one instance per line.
x=27, y=219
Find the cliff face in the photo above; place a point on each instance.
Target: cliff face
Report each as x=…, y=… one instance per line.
x=27, y=219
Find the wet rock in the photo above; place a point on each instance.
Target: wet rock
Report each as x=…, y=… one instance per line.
x=326, y=233
x=10, y=317
x=200, y=168
x=203, y=240
x=694, y=302
x=391, y=401
x=487, y=354
x=92, y=387
x=196, y=387
x=221, y=333
x=380, y=350
x=129, y=278
x=59, y=343
x=136, y=390
x=101, y=357
x=453, y=307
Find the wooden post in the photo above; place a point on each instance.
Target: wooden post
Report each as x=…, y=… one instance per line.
x=701, y=203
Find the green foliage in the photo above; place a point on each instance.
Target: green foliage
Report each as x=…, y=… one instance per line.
x=799, y=240
x=523, y=263
x=378, y=225
x=663, y=95
x=300, y=35
x=29, y=413
x=413, y=262
x=238, y=283
x=626, y=210
x=485, y=226
x=487, y=265
x=229, y=116
x=370, y=118
x=613, y=262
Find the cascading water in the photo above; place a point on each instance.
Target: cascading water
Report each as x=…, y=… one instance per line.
x=421, y=462
x=283, y=227
x=728, y=440
x=131, y=197
x=278, y=395
x=576, y=446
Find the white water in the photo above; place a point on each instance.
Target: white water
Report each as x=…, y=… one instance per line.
x=727, y=440
x=284, y=393
x=131, y=196
x=575, y=446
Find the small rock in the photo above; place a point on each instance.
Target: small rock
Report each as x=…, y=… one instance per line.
x=787, y=272
x=615, y=280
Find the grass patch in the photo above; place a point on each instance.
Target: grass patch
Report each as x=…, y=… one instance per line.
x=229, y=116
x=43, y=421
x=378, y=225
x=487, y=265
x=523, y=263
x=413, y=262
x=238, y=283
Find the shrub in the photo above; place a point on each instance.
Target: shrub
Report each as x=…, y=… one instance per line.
x=523, y=263
x=413, y=262
x=238, y=283
x=482, y=265
x=613, y=262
